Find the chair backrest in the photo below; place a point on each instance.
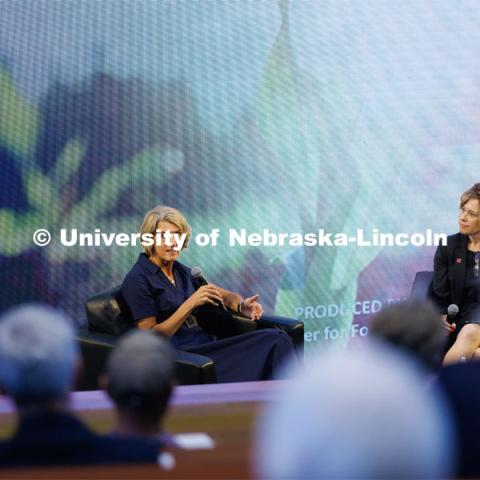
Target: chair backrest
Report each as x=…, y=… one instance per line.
x=421, y=285
x=108, y=312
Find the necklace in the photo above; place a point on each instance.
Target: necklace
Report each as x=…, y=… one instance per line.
x=171, y=278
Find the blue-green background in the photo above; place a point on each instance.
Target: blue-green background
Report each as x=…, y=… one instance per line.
x=243, y=114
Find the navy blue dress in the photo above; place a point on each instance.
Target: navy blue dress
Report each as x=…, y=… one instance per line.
x=247, y=357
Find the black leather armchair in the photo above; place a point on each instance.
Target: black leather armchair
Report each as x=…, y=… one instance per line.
x=421, y=285
x=109, y=317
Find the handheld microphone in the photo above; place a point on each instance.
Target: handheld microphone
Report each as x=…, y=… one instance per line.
x=197, y=275
x=452, y=312
x=200, y=280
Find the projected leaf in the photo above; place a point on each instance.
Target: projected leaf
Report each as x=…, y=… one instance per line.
x=46, y=196
x=42, y=193
x=45, y=203
x=17, y=231
x=147, y=167
x=288, y=125
x=289, y=129
x=68, y=162
x=18, y=119
x=299, y=128
x=150, y=167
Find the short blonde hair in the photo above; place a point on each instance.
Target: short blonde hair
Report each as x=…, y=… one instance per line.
x=162, y=213
x=473, y=193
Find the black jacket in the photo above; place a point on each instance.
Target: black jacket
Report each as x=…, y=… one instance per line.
x=449, y=270
x=61, y=439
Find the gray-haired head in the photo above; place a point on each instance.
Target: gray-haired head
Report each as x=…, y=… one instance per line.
x=140, y=368
x=365, y=414
x=38, y=352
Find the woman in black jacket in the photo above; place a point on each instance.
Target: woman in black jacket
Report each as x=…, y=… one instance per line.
x=456, y=280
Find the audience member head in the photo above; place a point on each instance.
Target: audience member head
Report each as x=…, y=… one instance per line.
x=38, y=355
x=414, y=326
x=139, y=379
x=365, y=414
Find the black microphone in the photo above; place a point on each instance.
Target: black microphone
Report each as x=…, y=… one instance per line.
x=197, y=275
x=452, y=312
x=200, y=280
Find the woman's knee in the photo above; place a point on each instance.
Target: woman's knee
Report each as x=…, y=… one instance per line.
x=278, y=336
x=286, y=341
x=470, y=334
x=476, y=355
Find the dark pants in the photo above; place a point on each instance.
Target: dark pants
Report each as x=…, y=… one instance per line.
x=252, y=356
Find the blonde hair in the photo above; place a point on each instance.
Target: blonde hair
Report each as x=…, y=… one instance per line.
x=472, y=193
x=162, y=213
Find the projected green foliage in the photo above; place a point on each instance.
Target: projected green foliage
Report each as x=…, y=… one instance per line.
x=49, y=197
x=293, y=121
x=18, y=119
x=296, y=124
x=287, y=116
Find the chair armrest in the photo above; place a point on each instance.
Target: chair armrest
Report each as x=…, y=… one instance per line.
x=190, y=368
x=99, y=339
x=284, y=322
x=421, y=285
x=294, y=328
x=226, y=324
x=94, y=348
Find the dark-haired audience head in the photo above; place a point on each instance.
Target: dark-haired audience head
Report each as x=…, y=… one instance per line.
x=364, y=414
x=38, y=356
x=414, y=326
x=139, y=378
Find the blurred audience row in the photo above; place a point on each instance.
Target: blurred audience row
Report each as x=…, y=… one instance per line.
x=385, y=408
x=39, y=360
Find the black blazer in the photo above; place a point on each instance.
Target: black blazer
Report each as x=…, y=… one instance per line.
x=449, y=271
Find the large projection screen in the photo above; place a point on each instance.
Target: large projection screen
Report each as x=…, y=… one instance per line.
x=261, y=117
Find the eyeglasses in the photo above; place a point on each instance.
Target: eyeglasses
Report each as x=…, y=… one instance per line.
x=470, y=213
x=476, y=267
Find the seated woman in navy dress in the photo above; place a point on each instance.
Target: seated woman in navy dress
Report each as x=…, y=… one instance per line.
x=456, y=280
x=161, y=294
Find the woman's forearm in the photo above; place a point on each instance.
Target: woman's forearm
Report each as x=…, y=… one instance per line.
x=170, y=326
x=231, y=299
